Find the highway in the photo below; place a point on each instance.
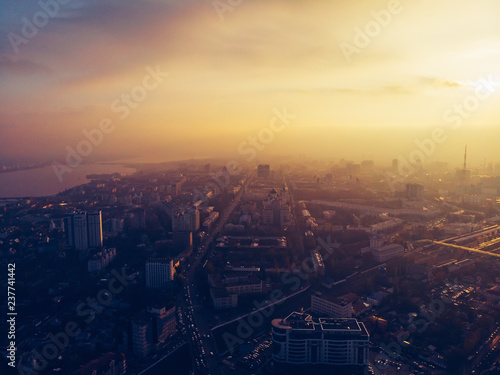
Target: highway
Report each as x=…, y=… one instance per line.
x=203, y=349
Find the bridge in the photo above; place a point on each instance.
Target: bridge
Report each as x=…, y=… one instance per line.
x=470, y=249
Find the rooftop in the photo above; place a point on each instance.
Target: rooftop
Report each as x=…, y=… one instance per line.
x=305, y=322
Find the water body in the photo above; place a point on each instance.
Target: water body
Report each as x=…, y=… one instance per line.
x=43, y=181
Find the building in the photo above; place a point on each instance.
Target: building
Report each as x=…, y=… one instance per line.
x=367, y=165
x=395, y=165
x=221, y=299
x=159, y=273
x=142, y=335
x=276, y=208
x=386, y=226
x=174, y=189
x=319, y=265
x=83, y=230
x=332, y=307
x=182, y=240
x=107, y=364
x=117, y=225
x=375, y=299
x=414, y=191
x=353, y=169
x=225, y=288
x=263, y=170
x=186, y=221
x=211, y=219
x=164, y=323
x=383, y=252
x=388, y=251
x=304, y=345
x=360, y=307
x=101, y=260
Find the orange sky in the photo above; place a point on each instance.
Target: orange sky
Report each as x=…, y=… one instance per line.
x=227, y=72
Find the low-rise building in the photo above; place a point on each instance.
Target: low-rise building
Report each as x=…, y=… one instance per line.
x=303, y=344
x=334, y=307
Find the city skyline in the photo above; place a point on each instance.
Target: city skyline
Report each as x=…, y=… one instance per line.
x=250, y=187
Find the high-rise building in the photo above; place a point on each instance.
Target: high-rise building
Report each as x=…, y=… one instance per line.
x=94, y=227
x=164, y=323
x=83, y=230
x=159, y=273
x=142, y=335
x=302, y=344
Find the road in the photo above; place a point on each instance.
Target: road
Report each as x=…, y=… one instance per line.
x=298, y=234
x=203, y=349
x=466, y=249
x=489, y=346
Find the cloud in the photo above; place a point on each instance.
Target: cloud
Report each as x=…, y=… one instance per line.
x=21, y=66
x=439, y=82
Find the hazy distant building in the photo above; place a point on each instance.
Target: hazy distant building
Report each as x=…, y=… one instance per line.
x=367, y=165
x=186, y=221
x=383, y=252
x=263, y=170
x=329, y=179
x=159, y=273
x=414, y=192
x=83, y=230
x=395, y=165
x=174, y=189
x=276, y=208
x=353, y=169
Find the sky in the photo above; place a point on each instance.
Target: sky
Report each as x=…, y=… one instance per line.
x=358, y=79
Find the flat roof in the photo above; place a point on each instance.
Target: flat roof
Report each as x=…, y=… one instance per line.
x=331, y=324
x=305, y=322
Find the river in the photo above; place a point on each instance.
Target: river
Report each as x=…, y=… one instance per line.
x=43, y=181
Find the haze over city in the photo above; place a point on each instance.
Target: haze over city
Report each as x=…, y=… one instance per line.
x=249, y=187
x=228, y=68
